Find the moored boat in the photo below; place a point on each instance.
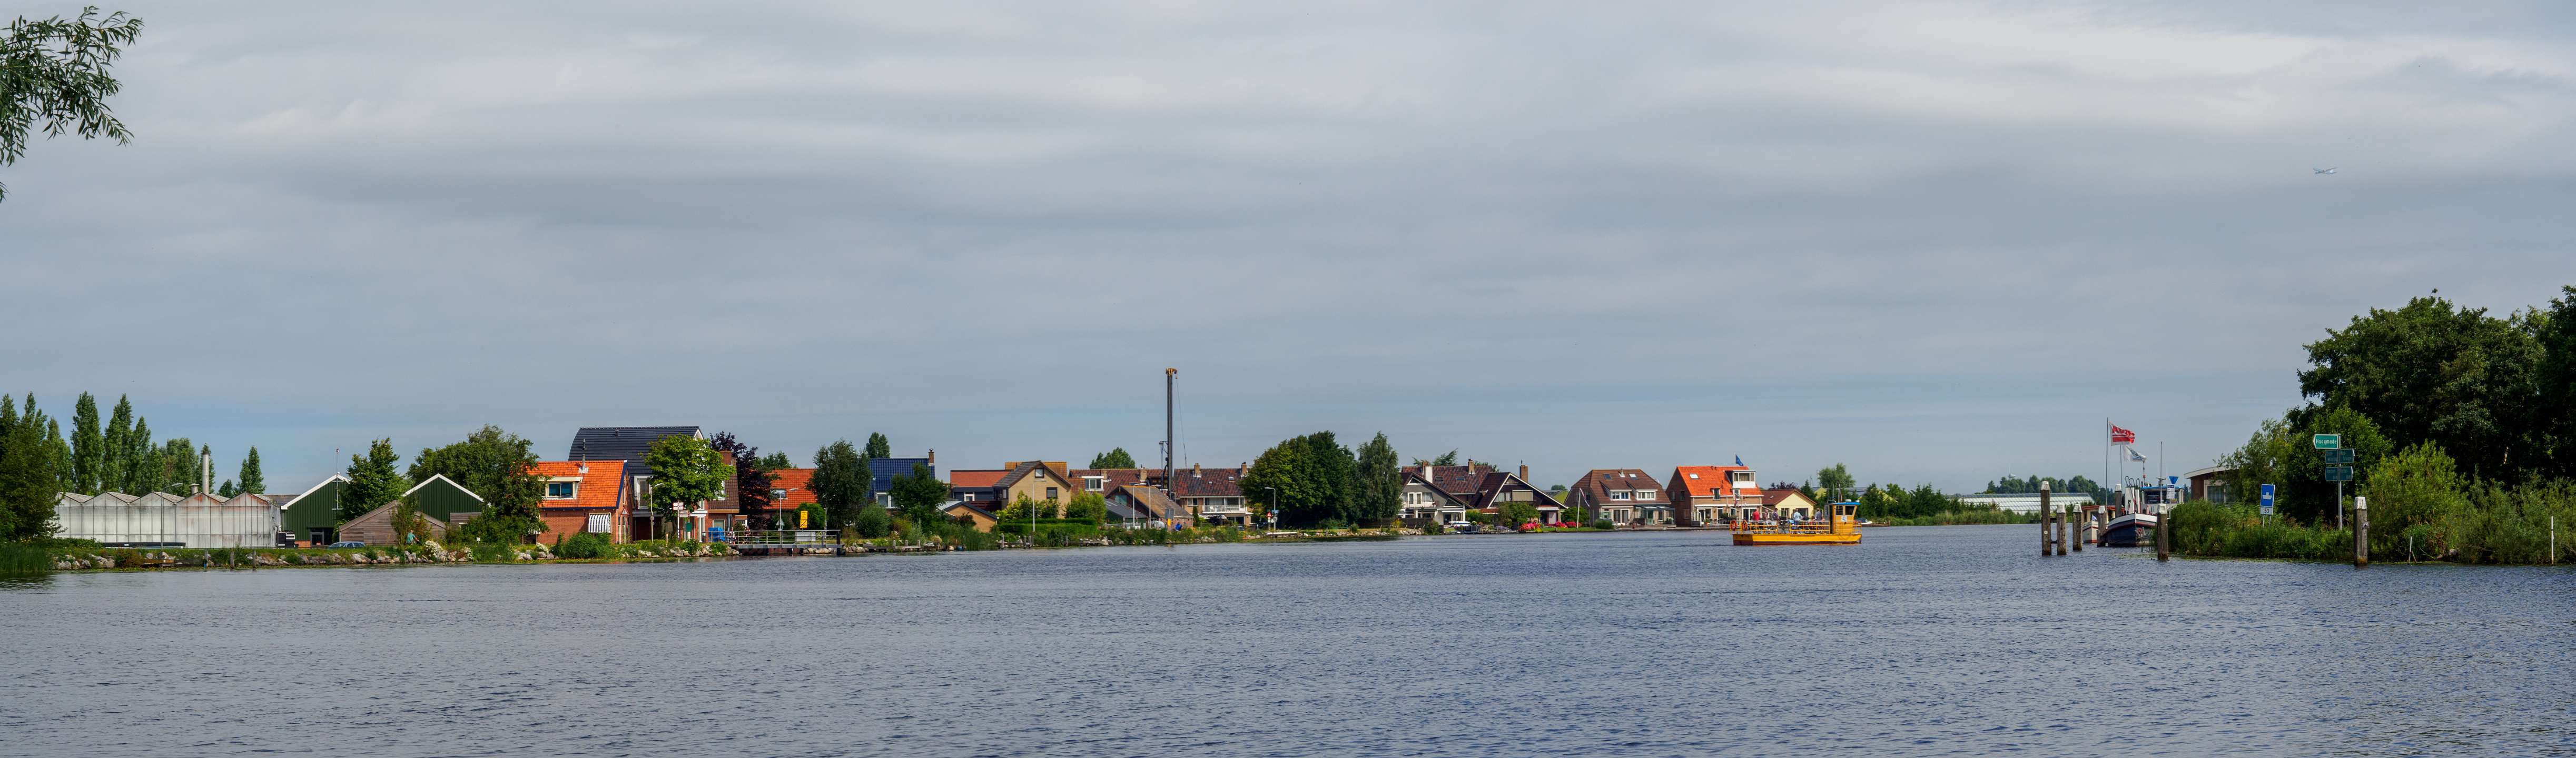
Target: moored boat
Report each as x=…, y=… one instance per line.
x=2129, y=530
x=1842, y=527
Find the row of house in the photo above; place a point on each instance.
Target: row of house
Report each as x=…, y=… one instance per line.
x=1691, y=496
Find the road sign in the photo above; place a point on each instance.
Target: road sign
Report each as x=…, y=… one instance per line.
x=2329, y=441
x=2338, y=473
x=2337, y=457
x=2267, y=500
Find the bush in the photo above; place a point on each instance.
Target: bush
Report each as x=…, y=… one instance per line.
x=584, y=546
x=872, y=522
x=1433, y=527
x=1603, y=524
x=21, y=559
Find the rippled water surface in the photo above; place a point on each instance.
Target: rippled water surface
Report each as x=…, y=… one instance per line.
x=1955, y=640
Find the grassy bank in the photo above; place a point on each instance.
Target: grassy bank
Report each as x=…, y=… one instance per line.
x=1959, y=518
x=2488, y=524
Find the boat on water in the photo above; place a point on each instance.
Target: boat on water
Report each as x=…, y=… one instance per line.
x=1840, y=527
x=2129, y=530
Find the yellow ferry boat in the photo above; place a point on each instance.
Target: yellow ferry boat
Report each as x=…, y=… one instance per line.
x=1842, y=527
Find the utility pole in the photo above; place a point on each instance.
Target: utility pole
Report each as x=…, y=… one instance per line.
x=1171, y=379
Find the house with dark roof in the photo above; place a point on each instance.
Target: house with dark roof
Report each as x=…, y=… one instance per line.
x=975, y=515
x=882, y=471
x=651, y=519
x=1139, y=502
x=1624, y=496
x=1424, y=502
x=1712, y=495
x=1041, y=481
x=1211, y=495
x=312, y=516
x=1502, y=487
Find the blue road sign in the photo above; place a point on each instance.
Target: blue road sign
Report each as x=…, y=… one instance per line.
x=2267, y=500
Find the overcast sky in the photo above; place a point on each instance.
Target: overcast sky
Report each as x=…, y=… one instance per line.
x=1939, y=242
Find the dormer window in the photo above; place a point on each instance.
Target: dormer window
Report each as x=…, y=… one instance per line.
x=559, y=490
x=1618, y=494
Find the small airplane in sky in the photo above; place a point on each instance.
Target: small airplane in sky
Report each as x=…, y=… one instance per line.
x=2323, y=170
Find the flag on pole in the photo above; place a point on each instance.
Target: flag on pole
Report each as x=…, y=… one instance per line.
x=2121, y=436
x=2134, y=456
x=1739, y=460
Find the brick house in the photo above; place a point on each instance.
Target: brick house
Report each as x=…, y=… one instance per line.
x=586, y=496
x=1712, y=495
x=1621, y=496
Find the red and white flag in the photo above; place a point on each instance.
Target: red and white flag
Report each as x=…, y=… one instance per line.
x=2121, y=436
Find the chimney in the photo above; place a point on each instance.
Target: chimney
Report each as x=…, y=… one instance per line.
x=206, y=480
x=930, y=457
x=1194, y=469
x=1524, y=472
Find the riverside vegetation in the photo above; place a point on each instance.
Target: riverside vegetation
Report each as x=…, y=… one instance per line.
x=2463, y=432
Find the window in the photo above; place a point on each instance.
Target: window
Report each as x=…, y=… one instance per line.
x=1694, y=476
x=559, y=490
x=598, y=524
x=776, y=494
x=1051, y=493
x=1618, y=494
x=1093, y=483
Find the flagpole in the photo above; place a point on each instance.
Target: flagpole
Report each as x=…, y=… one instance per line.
x=2106, y=453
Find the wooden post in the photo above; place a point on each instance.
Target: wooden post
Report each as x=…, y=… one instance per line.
x=2082, y=523
x=2360, y=532
x=2043, y=518
x=2164, y=550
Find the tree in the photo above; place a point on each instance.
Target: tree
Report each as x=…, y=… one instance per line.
x=776, y=461
x=2554, y=329
x=1516, y=513
x=878, y=447
x=841, y=481
x=227, y=490
x=1377, y=484
x=872, y=523
x=1022, y=508
x=2281, y=453
x=2429, y=372
x=372, y=480
x=751, y=482
x=27, y=475
x=1312, y=474
x=1088, y=507
x=54, y=72
x=141, y=467
x=499, y=467
x=1835, y=482
x=918, y=495
x=89, y=449
x=1117, y=457
x=1446, y=459
x=251, y=480
x=116, y=447
x=686, y=470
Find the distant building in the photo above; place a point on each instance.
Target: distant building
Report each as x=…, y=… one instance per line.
x=975, y=485
x=1211, y=495
x=1709, y=495
x=586, y=496
x=2212, y=484
x=311, y=516
x=1789, y=502
x=1423, y=502
x=629, y=444
x=2025, y=502
x=161, y=519
x=1499, y=488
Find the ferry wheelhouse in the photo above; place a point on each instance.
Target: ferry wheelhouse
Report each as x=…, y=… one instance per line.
x=1841, y=526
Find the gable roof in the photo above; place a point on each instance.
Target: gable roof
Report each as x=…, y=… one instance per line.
x=287, y=500
x=1207, y=482
x=622, y=443
x=883, y=470
x=600, y=489
x=1411, y=478
x=1150, y=502
x=450, y=482
x=974, y=478
x=1600, y=481
x=1026, y=468
x=1113, y=478
x=960, y=505
x=1462, y=481
x=1710, y=481
x=1780, y=495
x=1499, y=482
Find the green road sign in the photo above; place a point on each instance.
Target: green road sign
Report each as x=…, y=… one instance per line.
x=2343, y=457
x=2329, y=441
x=2338, y=473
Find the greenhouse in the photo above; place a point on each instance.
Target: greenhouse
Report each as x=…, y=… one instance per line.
x=160, y=519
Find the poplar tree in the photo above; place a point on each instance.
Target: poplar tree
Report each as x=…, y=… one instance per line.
x=88, y=448
x=878, y=447
x=1377, y=484
x=26, y=475
x=250, y=479
x=116, y=447
x=841, y=482
x=140, y=468
x=62, y=456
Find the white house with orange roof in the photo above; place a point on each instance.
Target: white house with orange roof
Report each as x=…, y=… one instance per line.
x=1711, y=495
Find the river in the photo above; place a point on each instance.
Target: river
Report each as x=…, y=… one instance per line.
x=1923, y=641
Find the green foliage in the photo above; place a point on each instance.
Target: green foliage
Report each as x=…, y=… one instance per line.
x=1377, y=484
x=372, y=480
x=872, y=522
x=685, y=470
x=251, y=480
x=117, y=448
x=89, y=449
x=1516, y=513
x=2430, y=372
x=27, y=474
x=776, y=461
x=54, y=79
x=1603, y=524
x=2282, y=453
x=1892, y=503
x=227, y=490
x=841, y=481
x=1117, y=457
x=1087, y=507
x=2418, y=486
x=495, y=465
x=585, y=546
x=1835, y=482
x=410, y=528
x=878, y=447
x=917, y=495
x=21, y=559
x=1313, y=475
x=1433, y=526
x=2060, y=485
x=1022, y=508
x=1446, y=459
x=751, y=482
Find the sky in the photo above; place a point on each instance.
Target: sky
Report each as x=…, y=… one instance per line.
x=1938, y=242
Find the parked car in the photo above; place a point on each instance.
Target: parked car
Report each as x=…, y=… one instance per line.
x=348, y=543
